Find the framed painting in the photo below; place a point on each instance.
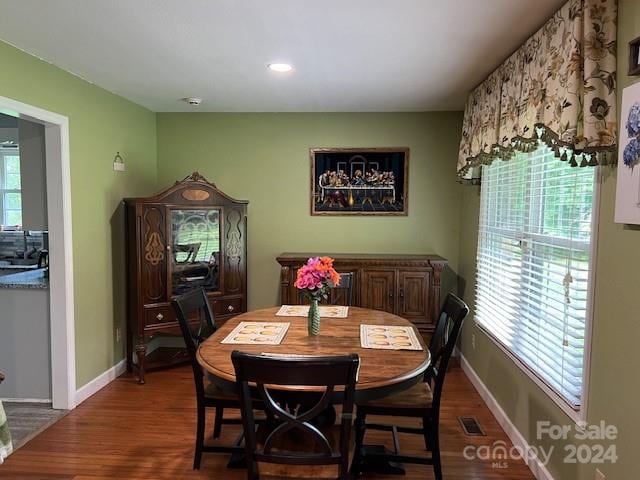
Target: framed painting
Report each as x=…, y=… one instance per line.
x=628, y=181
x=359, y=181
x=634, y=57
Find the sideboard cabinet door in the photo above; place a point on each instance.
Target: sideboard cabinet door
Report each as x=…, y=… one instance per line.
x=378, y=290
x=413, y=295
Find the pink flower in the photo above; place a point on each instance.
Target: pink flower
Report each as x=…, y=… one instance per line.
x=317, y=274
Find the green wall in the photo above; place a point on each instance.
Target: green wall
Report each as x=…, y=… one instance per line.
x=259, y=157
x=613, y=387
x=264, y=158
x=100, y=123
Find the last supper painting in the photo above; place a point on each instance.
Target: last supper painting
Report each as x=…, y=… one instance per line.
x=359, y=181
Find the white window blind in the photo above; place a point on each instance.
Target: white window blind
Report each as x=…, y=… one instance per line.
x=534, y=263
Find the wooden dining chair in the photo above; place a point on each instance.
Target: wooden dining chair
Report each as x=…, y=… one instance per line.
x=341, y=294
x=286, y=443
x=191, y=249
x=420, y=401
x=197, y=324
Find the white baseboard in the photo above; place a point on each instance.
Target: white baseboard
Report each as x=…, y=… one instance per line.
x=100, y=381
x=25, y=400
x=538, y=469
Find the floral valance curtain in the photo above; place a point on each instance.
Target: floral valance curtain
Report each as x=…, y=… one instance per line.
x=559, y=88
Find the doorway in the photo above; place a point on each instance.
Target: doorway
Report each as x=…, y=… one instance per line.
x=58, y=198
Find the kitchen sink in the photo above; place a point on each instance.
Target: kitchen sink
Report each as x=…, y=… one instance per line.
x=18, y=262
x=24, y=261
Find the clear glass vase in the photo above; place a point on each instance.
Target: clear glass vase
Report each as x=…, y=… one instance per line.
x=314, y=317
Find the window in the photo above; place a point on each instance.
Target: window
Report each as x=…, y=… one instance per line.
x=10, y=187
x=534, y=266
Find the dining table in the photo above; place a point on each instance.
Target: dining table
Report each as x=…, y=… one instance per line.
x=381, y=372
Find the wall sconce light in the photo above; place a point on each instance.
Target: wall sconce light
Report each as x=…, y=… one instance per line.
x=118, y=163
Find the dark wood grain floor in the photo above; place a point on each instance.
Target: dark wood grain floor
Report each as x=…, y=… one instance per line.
x=134, y=432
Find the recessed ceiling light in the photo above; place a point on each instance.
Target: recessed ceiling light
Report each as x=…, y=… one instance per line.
x=280, y=67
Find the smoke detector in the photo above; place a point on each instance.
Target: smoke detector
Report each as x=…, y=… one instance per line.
x=193, y=100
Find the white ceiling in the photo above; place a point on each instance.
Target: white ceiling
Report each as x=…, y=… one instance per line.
x=348, y=55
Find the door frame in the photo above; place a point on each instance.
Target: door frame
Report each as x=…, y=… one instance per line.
x=61, y=299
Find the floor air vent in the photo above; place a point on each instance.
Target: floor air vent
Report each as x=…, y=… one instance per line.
x=471, y=426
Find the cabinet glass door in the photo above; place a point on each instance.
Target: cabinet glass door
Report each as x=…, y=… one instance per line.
x=195, y=249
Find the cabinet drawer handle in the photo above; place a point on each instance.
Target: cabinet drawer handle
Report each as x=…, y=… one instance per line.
x=159, y=316
x=230, y=308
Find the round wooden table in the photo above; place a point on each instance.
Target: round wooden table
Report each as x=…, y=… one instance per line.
x=382, y=372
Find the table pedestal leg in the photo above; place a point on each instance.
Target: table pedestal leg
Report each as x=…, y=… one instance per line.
x=375, y=458
x=326, y=418
x=237, y=460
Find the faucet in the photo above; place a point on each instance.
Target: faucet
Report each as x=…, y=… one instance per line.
x=43, y=259
x=25, y=234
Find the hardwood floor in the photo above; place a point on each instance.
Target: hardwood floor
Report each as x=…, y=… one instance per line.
x=105, y=437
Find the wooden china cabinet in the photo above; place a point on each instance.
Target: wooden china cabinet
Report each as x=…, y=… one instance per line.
x=405, y=285
x=190, y=235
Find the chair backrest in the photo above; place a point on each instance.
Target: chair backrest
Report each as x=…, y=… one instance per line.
x=341, y=294
x=328, y=372
x=197, y=323
x=443, y=342
x=191, y=249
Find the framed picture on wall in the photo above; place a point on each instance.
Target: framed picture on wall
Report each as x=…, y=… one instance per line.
x=359, y=181
x=628, y=181
x=634, y=57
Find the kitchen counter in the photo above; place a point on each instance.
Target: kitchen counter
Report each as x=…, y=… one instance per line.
x=4, y=265
x=33, y=279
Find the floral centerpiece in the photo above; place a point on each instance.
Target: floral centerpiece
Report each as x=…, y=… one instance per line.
x=315, y=278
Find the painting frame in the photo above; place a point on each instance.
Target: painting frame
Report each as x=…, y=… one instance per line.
x=359, y=156
x=634, y=57
x=627, y=205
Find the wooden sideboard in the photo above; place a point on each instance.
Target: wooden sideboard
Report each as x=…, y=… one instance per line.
x=406, y=285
